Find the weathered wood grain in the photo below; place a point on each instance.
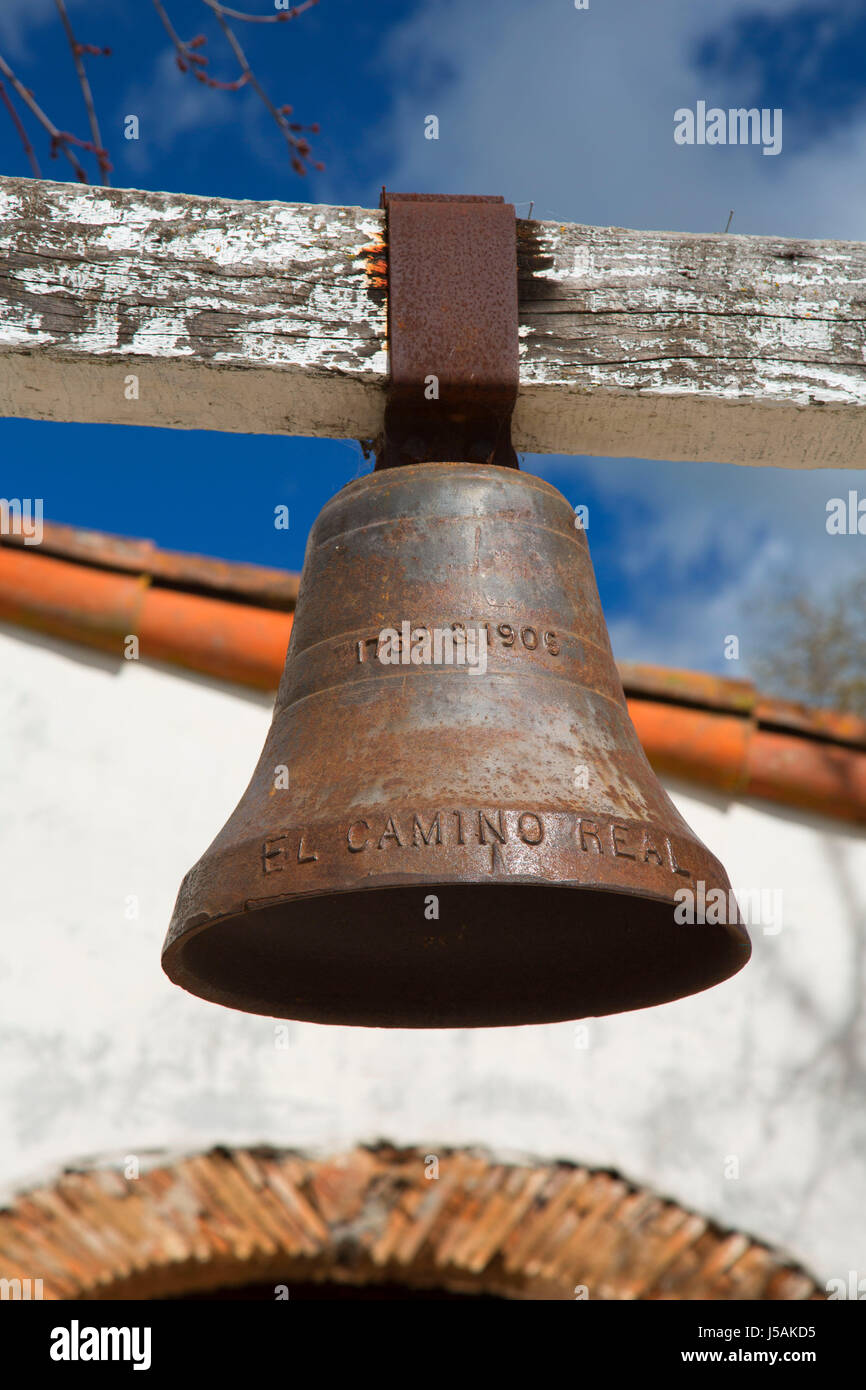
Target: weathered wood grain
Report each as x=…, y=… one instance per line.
x=271, y=318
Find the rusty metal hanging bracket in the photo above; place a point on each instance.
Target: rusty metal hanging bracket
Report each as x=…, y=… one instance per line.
x=452, y=329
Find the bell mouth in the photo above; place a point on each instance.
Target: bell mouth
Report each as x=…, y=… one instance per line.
x=498, y=955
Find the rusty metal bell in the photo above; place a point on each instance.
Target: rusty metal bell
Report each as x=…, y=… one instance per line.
x=462, y=842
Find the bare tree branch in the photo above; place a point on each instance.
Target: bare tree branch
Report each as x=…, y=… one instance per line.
x=814, y=650
x=279, y=18
x=191, y=59
x=25, y=139
x=60, y=140
x=77, y=50
x=299, y=149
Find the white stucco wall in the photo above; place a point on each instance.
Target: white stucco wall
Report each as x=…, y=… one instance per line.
x=114, y=778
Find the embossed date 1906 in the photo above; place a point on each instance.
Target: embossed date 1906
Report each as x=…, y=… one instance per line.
x=517, y=636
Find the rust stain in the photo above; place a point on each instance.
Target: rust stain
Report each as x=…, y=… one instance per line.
x=452, y=310
x=376, y=264
x=534, y=253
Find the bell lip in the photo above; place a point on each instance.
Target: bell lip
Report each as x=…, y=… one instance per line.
x=178, y=931
x=330, y=1011
x=183, y=928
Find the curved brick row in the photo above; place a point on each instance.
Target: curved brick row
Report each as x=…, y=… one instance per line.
x=228, y=1218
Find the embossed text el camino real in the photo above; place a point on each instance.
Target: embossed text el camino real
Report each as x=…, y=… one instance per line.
x=276, y=851
x=412, y=830
x=457, y=827
x=623, y=842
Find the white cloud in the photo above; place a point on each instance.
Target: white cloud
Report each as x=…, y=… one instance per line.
x=22, y=20
x=574, y=109
x=170, y=104
x=698, y=547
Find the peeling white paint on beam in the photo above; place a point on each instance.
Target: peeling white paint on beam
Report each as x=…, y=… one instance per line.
x=271, y=318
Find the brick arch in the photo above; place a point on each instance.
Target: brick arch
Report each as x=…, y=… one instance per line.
x=371, y=1216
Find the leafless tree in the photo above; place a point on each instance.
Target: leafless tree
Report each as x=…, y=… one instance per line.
x=813, y=649
x=190, y=57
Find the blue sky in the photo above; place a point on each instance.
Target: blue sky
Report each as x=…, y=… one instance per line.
x=572, y=109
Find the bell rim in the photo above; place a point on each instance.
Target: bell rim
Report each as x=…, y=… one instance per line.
x=725, y=948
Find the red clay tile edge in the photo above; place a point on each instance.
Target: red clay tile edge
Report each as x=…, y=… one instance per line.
x=719, y=733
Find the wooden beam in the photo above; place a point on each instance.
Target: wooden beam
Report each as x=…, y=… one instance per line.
x=271, y=318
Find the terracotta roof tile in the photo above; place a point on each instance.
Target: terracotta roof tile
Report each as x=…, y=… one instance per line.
x=233, y=622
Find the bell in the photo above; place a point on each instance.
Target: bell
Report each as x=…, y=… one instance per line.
x=470, y=834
